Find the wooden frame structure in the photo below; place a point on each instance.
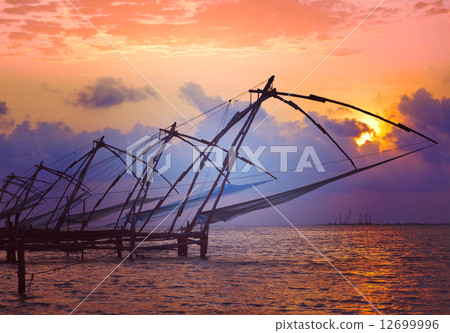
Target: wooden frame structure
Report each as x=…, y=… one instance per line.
x=41, y=215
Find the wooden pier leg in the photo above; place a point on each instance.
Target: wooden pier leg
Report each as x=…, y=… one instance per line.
x=82, y=245
x=67, y=244
x=119, y=246
x=182, y=246
x=132, y=245
x=11, y=255
x=82, y=233
x=204, y=243
x=132, y=239
x=11, y=251
x=21, y=268
x=180, y=251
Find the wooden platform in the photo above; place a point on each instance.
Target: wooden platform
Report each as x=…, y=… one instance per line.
x=50, y=240
x=16, y=241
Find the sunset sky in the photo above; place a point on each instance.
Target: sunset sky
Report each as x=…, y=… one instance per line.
x=62, y=83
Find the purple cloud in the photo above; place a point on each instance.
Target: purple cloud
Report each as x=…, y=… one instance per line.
x=5, y=124
x=48, y=142
x=110, y=91
x=426, y=111
x=3, y=108
x=347, y=127
x=432, y=117
x=194, y=94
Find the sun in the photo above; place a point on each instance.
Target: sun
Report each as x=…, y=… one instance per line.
x=369, y=135
x=364, y=137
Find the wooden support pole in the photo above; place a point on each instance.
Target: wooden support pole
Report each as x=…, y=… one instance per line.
x=11, y=255
x=82, y=246
x=180, y=250
x=119, y=246
x=204, y=243
x=82, y=232
x=68, y=243
x=182, y=246
x=132, y=237
x=11, y=251
x=21, y=268
x=16, y=220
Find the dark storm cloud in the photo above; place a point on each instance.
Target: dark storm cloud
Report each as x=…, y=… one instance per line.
x=110, y=91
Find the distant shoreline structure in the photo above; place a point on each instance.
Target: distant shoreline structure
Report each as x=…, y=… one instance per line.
x=332, y=224
x=387, y=223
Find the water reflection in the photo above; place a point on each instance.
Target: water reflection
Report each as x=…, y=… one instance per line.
x=255, y=270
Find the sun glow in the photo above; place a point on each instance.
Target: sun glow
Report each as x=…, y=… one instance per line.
x=365, y=136
x=375, y=128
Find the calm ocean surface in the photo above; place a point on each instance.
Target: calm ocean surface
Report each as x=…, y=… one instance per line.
x=401, y=269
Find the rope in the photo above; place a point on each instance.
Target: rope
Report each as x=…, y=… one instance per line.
x=221, y=124
x=222, y=104
x=259, y=175
x=75, y=152
x=107, y=167
x=292, y=169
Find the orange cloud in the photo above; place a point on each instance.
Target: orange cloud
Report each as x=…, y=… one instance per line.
x=23, y=9
x=432, y=7
x=226, y=24
x=20, y=35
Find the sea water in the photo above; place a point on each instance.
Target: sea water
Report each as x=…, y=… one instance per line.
x=326, y=269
